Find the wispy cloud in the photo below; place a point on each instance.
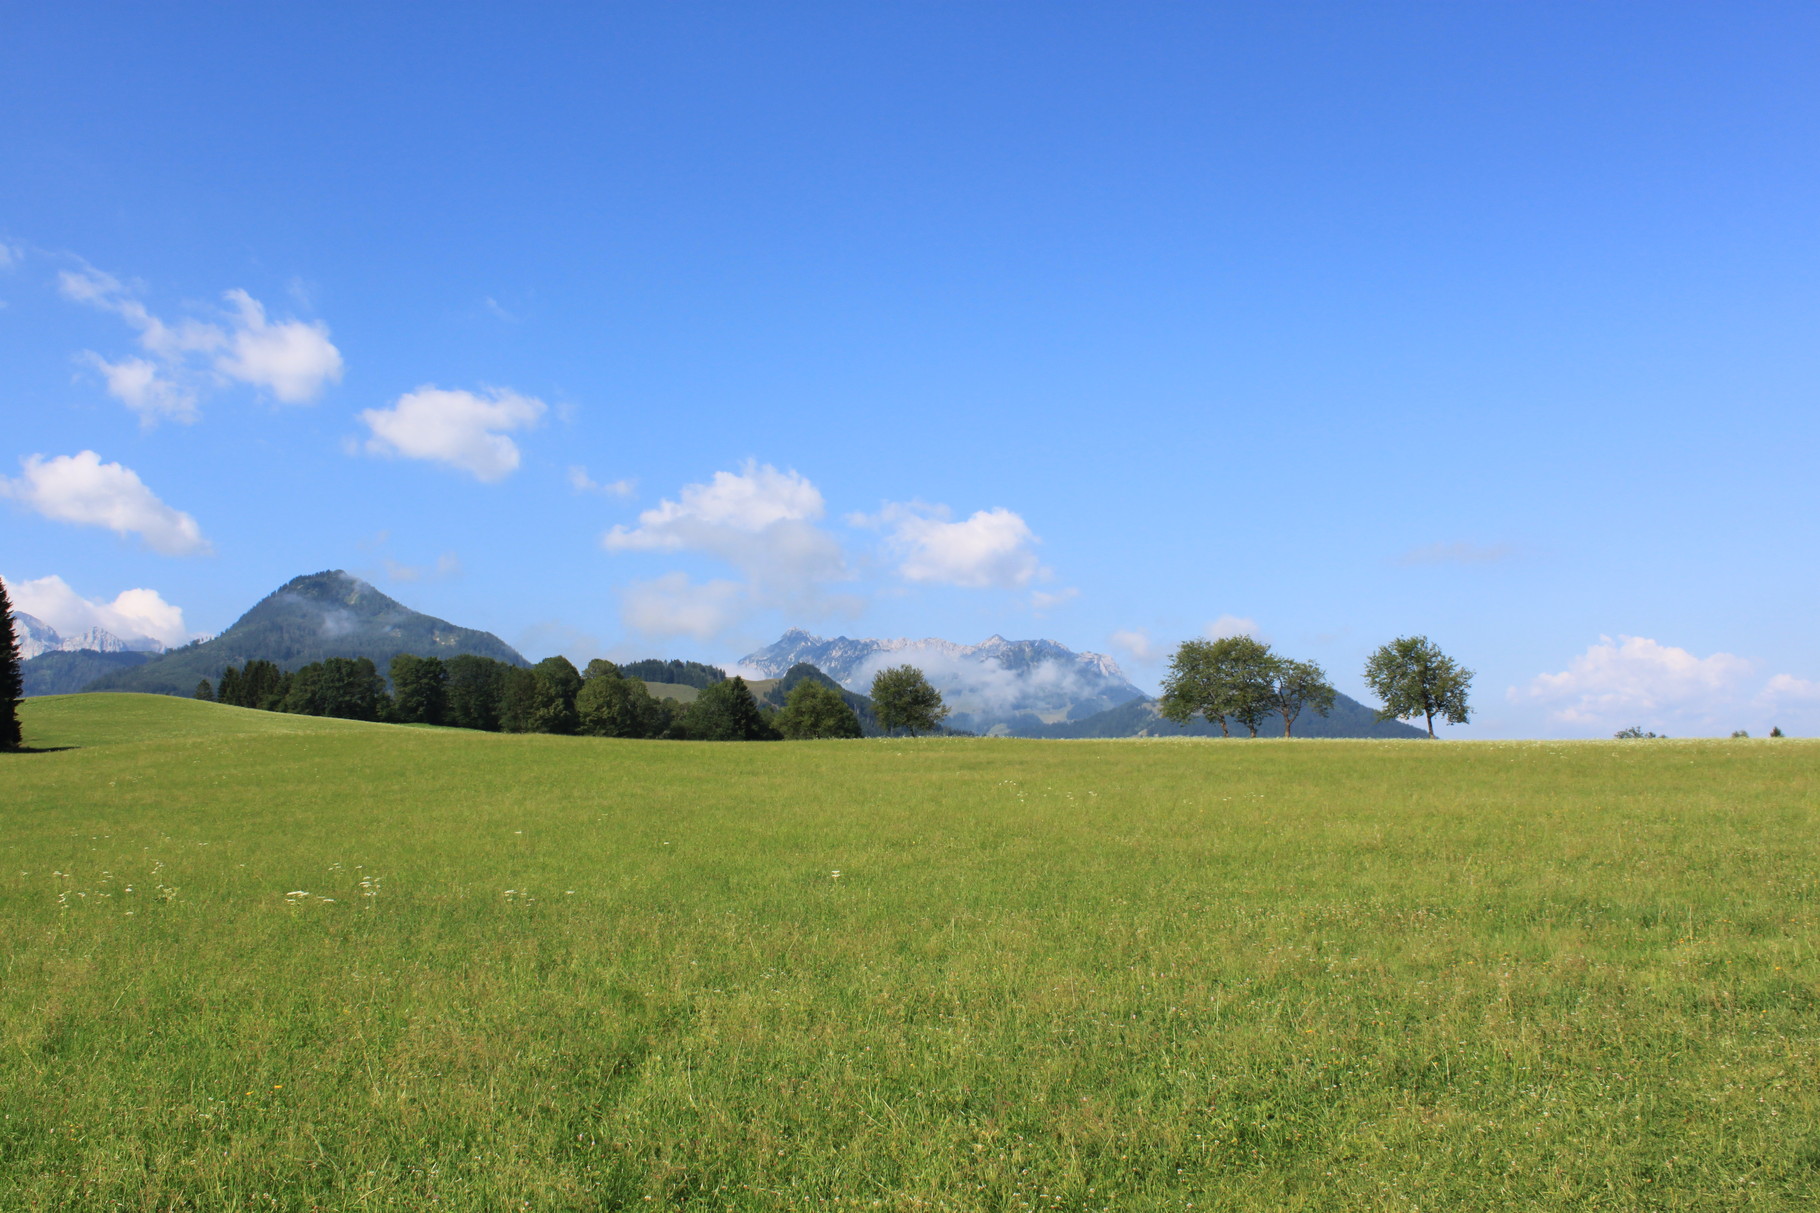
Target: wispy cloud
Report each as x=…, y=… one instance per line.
x=1232, y=625
x=581, y=482
x=290, y=360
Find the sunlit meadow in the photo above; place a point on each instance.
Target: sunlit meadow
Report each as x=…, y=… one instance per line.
x=257, y=961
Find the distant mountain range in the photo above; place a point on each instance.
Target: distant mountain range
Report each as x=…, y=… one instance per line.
x=37, y=637
x=997, y=686
x=329, y=614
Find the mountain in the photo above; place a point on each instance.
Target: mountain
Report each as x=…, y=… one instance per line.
x=307, y=619
x=37, y=637
x=64, y=672
x=997, y=686
x=1139, y=718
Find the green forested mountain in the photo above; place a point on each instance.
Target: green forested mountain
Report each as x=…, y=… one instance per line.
x=308, y=619
x=61, y=672
x=1139, y=718
x=674, y=673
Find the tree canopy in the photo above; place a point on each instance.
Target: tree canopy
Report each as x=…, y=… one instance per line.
x=815, y=709
x=1240, y=678
x=903, y=699
x=726, y=711
x=1415, y=678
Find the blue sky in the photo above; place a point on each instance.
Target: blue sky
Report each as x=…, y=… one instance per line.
x=653, y=329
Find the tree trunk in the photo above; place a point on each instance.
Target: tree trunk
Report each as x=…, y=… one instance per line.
x=1431, y=726
x=1224, y=731
x=1287, y=721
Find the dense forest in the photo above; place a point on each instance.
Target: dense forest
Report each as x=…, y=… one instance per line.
x=604, y=700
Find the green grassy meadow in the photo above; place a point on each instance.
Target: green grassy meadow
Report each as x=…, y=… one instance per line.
x=270, y=962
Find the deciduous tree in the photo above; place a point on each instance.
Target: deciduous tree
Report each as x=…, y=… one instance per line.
x=553, y=701
x=1295, y=685
x=904, y=699
x=420, y=689
x=1231, y=678
x=1415, y=678
x=815, y=709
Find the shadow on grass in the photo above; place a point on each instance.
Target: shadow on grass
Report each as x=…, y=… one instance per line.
x=35, y=749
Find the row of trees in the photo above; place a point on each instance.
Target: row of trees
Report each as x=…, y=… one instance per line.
x=554, y=697
x=1239, y=678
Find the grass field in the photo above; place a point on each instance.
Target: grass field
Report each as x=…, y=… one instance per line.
x=257, y=961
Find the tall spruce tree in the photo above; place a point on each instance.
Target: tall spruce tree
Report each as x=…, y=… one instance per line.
x=11, y=680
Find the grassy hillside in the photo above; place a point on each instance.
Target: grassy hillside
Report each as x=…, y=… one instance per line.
x=263, y=961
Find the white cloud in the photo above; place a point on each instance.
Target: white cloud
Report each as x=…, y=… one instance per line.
x=760, y=520
x=580, y=481
x=990, y=549
x=1137, y=642
x=1042, y=601
x=1232, y=625
x=459, y=428
x=1634, y=680
x=1457, y=553
x=673, y=605
x=746, y=502
x=136, y=614
x=1786, y=688
x=10, y=255
x=293, y=360
x=80, y=489
x=139, y=384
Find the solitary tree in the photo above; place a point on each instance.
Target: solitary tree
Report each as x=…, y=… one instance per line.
x=815, y=709
x=12, y=684
x=205, y=692
x=1231, y=678
x=903, y=699
x=1300, y=684
x=1415, y=678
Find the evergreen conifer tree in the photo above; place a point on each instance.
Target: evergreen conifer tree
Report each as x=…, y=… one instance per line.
x=11, y=680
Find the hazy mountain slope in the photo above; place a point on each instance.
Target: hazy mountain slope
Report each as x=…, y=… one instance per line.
x=1139, y=718
x=309, y=618
x=63, y=672
x=1002, y=685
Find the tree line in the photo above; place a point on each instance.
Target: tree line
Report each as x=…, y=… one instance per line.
x=1242, y=680
x=603, y=700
